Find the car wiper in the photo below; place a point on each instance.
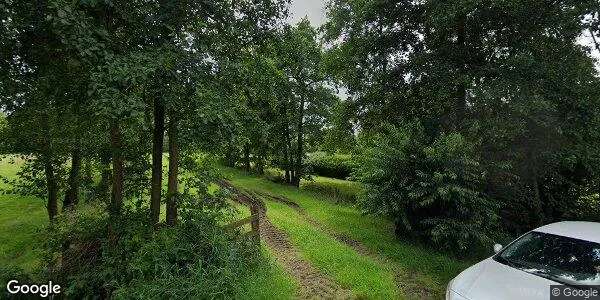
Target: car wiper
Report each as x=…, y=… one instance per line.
x=556, y=279
x=528, y=269
x=510, y=263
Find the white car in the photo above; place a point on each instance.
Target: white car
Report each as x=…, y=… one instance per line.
x=565, y=253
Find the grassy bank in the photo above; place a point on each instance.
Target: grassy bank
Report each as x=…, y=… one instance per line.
x=364, y=276
x=430, y=268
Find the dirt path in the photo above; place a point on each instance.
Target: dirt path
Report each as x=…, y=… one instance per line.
x=312, y=283
x=406, y=281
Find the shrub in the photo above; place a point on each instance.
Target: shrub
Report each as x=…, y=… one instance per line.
x=338, y=166
x=586, y=208
x=274, y=175
x=94, y=255
x=338, y=190
x=434, y=190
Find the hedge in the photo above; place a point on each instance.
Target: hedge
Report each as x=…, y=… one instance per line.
x=329, y=165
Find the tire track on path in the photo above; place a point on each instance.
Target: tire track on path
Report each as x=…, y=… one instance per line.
x=407, y=282
x=312, y=283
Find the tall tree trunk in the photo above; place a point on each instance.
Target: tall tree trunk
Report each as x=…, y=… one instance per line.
x=288, y=155
x=157, y=151
x=533, y=174
x=288, y=161
x=72, y=196
x=51, y=185
x=52, y=188
x=287, y=176
x=300, y=152
x=88, y=176
x=595, y=40
x=538, y=206
x=247, y=157
x=102, y=190
x=172, y=189
x=260, y=163
x=118, y=175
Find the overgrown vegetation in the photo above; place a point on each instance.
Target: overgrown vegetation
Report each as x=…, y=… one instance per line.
x=433, y=190
x=463, y=122
x=341, y=191
x=338, y=166
x=179, y=251
x=95, y=254
x=507, y=108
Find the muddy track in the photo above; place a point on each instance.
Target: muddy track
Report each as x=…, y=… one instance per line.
x=406, y=282
x=312, y=283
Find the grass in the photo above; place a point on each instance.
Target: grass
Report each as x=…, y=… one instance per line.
x=21, y=221
x=432, y=268
x=342, y=191
x=365, y=277
x=268, y=281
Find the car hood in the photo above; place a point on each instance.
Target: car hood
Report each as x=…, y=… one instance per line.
x=491, y=280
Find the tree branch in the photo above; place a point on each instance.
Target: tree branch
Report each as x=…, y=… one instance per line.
x=596, y=43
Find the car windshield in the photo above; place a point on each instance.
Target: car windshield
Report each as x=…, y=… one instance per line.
x=561, y=259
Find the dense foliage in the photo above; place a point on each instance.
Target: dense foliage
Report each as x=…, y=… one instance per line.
x=433, y=189
x=330, y=165
x=91, y=94
x=465, y=120
x=510, y=78
x=194, y=259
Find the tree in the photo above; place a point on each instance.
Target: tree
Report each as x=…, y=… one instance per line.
x=593, y=27
x=301, y=61
x=490, y=72
x=35, y=89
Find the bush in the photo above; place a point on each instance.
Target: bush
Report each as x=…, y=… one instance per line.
x=94, y=255
x=434, y=190
x=586, y=208
x=338, y=166
x=274, y=175
x=338, y=190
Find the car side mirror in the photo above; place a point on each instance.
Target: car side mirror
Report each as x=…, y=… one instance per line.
x=497, y=248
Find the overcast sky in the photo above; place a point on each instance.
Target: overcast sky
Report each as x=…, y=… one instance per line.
x=313, y=9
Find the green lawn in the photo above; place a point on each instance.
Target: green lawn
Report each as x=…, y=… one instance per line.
x=433, y=269
x=342, y=191
x=22, y=219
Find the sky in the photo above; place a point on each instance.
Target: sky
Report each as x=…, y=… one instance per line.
x=313, y=9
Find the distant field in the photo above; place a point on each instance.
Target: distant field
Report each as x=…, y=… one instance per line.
x=22, y=219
